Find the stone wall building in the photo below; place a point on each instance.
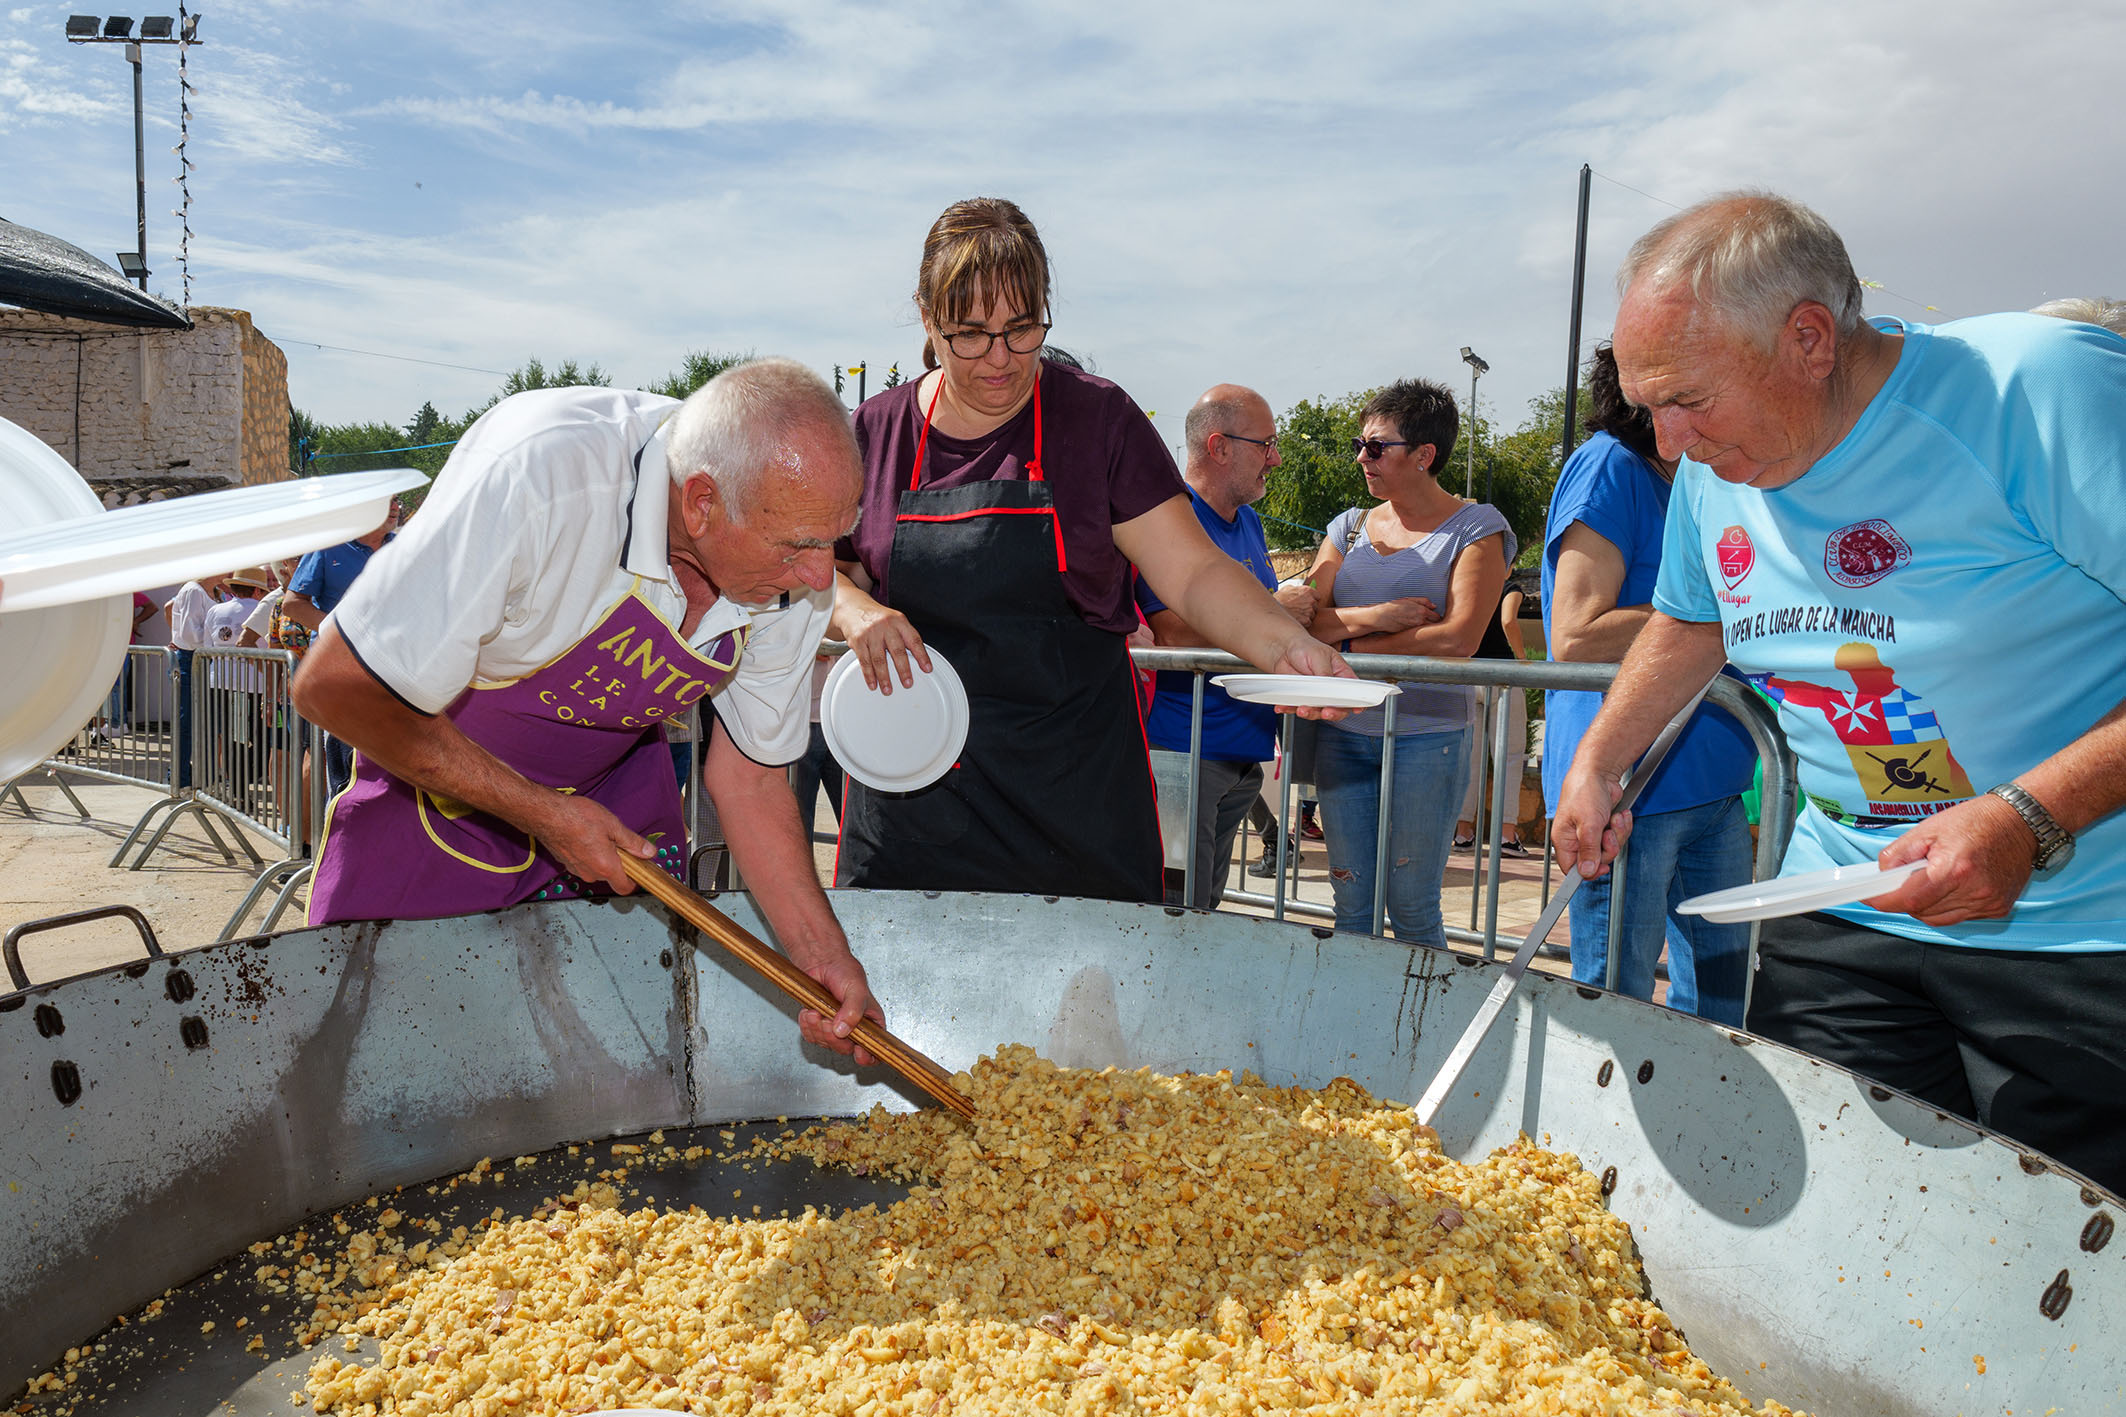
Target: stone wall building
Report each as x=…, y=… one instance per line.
x=148, y=414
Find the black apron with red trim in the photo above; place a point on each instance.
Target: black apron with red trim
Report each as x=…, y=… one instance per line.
x=1053, y=793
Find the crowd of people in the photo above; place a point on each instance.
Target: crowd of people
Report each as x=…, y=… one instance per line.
x=1891, y=531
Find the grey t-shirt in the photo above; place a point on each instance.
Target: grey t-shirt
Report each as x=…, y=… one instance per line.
x=1424, y=568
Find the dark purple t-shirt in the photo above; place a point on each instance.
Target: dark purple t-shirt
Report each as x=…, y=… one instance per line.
x=1102, y=457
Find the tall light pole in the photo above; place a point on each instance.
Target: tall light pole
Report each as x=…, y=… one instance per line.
x=118, y=29
x=1477, y=369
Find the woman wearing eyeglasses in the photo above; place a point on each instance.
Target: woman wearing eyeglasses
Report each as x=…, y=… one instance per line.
x=1420, y=573
x=1005, y=499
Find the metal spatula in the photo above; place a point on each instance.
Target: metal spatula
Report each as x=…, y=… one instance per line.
x=1495, y=1003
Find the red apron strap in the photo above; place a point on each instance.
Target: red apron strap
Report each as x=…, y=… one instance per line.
x=915, y=475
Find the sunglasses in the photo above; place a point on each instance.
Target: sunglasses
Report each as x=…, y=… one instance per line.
x=1374, y=447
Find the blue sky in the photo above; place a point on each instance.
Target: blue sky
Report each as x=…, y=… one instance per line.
x=1307, y=198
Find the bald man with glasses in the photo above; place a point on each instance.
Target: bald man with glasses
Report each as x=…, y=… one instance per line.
x=1232, y=446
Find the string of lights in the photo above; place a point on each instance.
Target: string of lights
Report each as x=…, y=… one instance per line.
x=184, y=161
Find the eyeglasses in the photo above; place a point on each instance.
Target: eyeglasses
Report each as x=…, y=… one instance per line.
x=1374, y=447
x=1243, y=438
x=1019, y=339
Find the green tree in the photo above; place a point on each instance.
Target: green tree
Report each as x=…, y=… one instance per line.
x=697, y=369
x=427, y=425
x=533, y=374
x=1319, y=477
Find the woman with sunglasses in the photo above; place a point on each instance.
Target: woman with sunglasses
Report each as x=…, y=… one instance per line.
x=1420, y=573
x=1005, y=500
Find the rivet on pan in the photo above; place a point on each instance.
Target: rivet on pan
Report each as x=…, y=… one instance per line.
x=1321, y=932
x=1588, y=993
x=178, y=986
x=193, y=1030
x=2058, y=1295
x=2090, y=1197
x=2097, y=1233
x=2032, y=1165
x=1880, y=1094
x=1052, y=899
x=9, y=1005
x=1609, y=1181
x=49, y=1024
x=136, y=969
x=930, y=895
x=664, y=957
x=1646, y=1071
x=1605, y=1072
x=66, y=1083
x=1174, y=910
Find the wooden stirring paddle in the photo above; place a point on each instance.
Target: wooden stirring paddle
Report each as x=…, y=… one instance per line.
x=910, y=1063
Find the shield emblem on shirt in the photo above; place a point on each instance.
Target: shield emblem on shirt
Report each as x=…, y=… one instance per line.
x=1737, y=555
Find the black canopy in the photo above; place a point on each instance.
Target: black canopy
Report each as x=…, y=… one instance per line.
x=40, y=272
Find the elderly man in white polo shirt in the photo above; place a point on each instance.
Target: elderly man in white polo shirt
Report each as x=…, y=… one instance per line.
x=590, y=563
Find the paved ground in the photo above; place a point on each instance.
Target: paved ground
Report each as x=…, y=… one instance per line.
x=53, y=862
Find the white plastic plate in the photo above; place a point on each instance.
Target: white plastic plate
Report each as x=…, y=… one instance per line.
x=61, y=660
x=1306, y=690
x=1796, y=895
x=895, y=742
x=98, y=554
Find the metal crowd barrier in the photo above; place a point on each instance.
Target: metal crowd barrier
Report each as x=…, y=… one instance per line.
x=132, y=738
x=249, y=768
x=1757, y=718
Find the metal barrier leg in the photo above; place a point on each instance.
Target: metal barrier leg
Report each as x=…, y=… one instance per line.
x=1476, y=825
x=154, y=808
x=1384, y=819
x=1615, y=961
x=287, y=877
x=60, y=783
x=296, y=881
x=206, y=825
x=14, y=790
x=1495, y=835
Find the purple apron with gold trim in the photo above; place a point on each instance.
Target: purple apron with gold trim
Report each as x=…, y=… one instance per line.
x=589, y=723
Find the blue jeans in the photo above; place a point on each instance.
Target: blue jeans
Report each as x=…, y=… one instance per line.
x=1429, y=770
x=1672, y=857
x=182, y=712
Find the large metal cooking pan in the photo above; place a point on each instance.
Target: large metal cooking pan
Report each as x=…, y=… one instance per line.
x=1821, y=1241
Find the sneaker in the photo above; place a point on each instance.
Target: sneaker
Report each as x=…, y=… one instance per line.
x=1464, y=843
x=1308, y=826
x=1263, y=868
x=1515, y=849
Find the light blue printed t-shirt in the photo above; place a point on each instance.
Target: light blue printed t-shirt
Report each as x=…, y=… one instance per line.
x=1936, y=605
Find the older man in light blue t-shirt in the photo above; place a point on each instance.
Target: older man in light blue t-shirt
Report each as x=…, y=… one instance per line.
x=1908, y=537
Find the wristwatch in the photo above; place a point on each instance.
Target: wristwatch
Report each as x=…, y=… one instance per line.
x=2055, y=844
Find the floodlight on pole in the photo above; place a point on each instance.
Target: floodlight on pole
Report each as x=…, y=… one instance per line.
x=118, y=29
x=1477, y=369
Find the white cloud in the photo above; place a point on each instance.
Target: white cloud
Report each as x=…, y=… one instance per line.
x=1313, y=199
